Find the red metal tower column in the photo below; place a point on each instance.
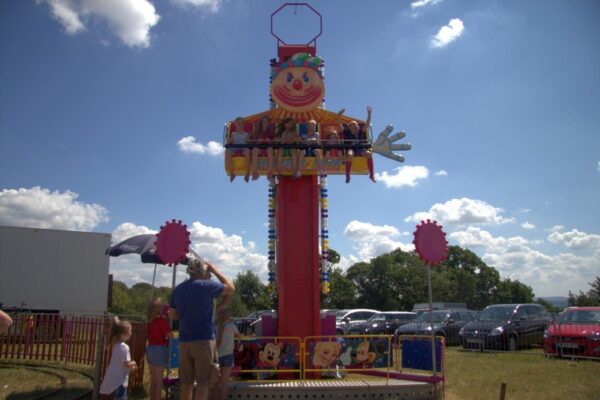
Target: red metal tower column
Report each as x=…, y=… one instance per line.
x=298, y=257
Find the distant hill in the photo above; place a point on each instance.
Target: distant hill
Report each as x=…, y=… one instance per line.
x=557, y=301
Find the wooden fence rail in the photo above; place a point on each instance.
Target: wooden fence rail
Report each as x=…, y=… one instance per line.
x=69, y=338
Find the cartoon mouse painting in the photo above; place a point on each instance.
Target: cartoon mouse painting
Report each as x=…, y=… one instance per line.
x=269, y=356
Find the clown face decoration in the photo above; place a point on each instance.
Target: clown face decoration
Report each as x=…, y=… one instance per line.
x=297, y=85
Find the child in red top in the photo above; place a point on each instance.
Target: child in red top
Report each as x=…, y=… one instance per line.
x=157, y=351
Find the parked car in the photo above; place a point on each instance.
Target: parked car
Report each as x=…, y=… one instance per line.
x=576, y=332
x=259, y=313
x=420, y=308
x=346, y=319
x=383, y=323
x=328, y=311
x=446, y=323
x=506, y=327
x=252, y=324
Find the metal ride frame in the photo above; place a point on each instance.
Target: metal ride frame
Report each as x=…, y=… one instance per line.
x=297, y=211
x=301, y=376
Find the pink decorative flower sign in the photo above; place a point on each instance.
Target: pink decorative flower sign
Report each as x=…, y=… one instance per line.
x=430, y=242
x=172, y=242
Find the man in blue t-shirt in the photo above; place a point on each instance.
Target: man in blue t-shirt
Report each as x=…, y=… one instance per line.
x=192, y=304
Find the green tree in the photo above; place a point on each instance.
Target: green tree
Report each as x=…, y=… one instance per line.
x=333, y=258
x=589, y=298
x=509, y=291
x=237, y=307
x=486, y=278
x=409, y=279
x=466, y=282
x=121, y=303
x=398, y=280
x=134, y=301
x=140, y=296
x=548, y=306
x=392, y=281
x=444, y=285
x=252, y=292
x=359, y=274
x=343, y=292
x=459, y=258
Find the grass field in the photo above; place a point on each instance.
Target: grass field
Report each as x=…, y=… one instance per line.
x=469, y=376
x=474, y=376
x=20, y=381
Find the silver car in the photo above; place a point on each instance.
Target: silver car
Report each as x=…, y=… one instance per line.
x=346, y=319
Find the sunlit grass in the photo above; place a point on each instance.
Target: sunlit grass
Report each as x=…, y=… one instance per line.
x=473, y=376
x=469, y=375
x=19, y=382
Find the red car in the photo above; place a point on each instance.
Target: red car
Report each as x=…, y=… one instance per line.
x=575, y=333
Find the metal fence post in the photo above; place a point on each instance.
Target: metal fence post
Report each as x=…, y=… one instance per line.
x=502, y=390
x=99, y=358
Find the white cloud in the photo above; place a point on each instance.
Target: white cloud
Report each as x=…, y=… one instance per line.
x=188, y=144
x=522, y=210
x=557, y=228
x=462, y=212
x=441, y=172
x=228, y=252
x=209, y=5
x=422, y=3
x=527, y=225
x=598, y=167
x=64, y=12
x=403, y=176
x=515, y=258
x=575, y=239
x=130, y=20
x=372, y=240
x=127, y=230
x=448, y=33
x=477, y=237
x=40, y=208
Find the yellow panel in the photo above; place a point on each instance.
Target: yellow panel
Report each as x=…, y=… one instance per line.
x=332, y=166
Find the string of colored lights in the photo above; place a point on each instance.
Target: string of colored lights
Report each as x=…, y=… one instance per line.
x=325, y=273
x=272, y=287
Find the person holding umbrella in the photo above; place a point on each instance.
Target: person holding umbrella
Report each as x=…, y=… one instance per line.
x=5, y=321
x=191, y=303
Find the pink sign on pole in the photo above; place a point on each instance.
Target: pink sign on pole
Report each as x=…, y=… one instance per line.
x=430, y=242
x=172, y=242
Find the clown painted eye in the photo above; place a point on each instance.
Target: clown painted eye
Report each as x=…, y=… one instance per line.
x=289, y=77
x=305, y=77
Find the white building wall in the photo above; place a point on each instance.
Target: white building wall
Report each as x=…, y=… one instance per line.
x=52, y=269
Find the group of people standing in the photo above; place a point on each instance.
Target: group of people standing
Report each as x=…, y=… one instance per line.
x=277, y=143
x=205, y=344
x=192, y=305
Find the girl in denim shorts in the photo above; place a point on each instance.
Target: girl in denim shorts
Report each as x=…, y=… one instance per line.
x=227, y=332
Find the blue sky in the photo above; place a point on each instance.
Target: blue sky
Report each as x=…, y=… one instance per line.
x=111, y=117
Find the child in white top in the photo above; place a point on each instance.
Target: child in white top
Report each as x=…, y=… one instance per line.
x=114, y=384
x=288, y=134
x=311, y=138
x=226, y=332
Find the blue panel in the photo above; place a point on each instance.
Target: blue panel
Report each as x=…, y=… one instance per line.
x=416, y=353
x=302, y=129
x=174, y=356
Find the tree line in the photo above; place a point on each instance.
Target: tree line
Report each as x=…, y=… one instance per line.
x=392, y=281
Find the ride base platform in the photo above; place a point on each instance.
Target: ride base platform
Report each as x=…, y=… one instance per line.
x=333, y=389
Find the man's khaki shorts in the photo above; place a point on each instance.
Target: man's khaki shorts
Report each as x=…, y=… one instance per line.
x=195, y=360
